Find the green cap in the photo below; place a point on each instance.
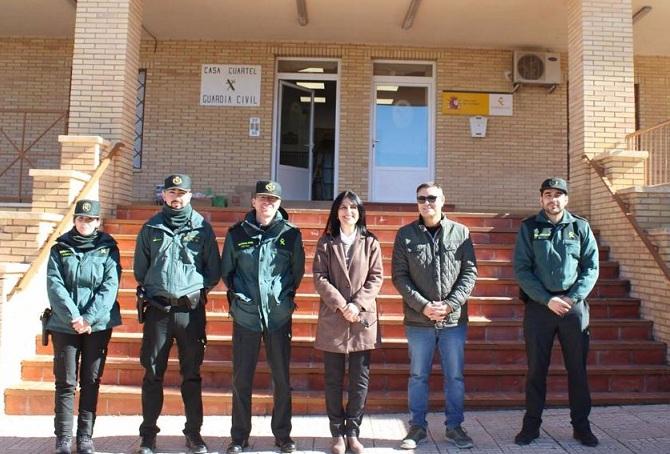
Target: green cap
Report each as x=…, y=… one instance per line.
x=86, y=207
x=178, y=181
x=555, y=183
x=268, y=187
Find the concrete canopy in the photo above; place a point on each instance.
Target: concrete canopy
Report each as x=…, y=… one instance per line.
x=438, y=23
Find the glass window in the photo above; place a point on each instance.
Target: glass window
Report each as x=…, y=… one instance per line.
x=403, y=69
x=139, y=118
x=307, y=66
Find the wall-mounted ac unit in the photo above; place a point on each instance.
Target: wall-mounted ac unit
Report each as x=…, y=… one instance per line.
x=537, y=68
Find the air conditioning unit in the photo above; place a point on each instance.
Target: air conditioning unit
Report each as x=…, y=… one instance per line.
x=537, y=68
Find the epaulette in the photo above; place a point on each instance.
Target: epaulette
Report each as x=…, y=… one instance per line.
x=290, y=224
x=579, y=217
x=236, y=225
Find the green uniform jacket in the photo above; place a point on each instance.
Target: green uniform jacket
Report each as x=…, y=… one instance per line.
x=262, y=270
x=84, y=283
x=172, y=264
x=560, y=259
x=442, y=270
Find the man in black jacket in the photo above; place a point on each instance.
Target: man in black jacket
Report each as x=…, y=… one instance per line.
x=434, y=269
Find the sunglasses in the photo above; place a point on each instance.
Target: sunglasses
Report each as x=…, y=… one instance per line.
x=426, y=198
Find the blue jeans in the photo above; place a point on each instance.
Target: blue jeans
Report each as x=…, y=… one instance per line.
x=421, y=345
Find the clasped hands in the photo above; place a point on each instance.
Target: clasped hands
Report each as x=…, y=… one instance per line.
x=351, y=312
x=81, y=326
x=560, y=305
x=436, y=310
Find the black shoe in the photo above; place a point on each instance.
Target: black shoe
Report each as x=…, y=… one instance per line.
x=585, y=437
x=414, y=437
x=195, y=443
x=236, y=447
x=148, y=445
x=526, y=436
x=85, y=445
x=63, y=445
x=285, y=445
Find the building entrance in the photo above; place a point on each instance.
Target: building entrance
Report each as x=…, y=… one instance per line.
x=306, y=119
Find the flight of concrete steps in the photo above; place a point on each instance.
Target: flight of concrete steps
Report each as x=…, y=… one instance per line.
x=626, y=365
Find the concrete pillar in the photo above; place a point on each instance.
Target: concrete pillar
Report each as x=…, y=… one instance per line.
x=601, y=75
x=104, y=81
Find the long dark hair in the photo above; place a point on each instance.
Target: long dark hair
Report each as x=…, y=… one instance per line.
x=333, y=223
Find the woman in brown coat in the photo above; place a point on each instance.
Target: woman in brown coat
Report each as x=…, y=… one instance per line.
x=348, y=276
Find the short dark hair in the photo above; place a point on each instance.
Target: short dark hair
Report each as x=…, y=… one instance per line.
x=333, y=222
x=429, y=184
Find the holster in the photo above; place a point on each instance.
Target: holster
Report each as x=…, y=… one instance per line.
x=44, y=318
x=140, y=303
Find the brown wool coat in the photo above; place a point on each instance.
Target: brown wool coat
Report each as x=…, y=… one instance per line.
x=337, y=286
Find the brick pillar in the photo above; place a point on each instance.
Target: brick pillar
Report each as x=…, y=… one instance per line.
x=602, y=98
x=104, y=82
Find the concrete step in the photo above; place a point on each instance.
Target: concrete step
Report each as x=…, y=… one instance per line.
x=479, y=328
x=36, y=398
x=394, y=350
x=487, y=306
x=383, y=377
x=483, y=251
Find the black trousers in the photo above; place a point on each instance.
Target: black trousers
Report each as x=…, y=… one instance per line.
x=246, y=346
x=69, y=350
x=160, y=331
x=541, y=326
x=346, y=422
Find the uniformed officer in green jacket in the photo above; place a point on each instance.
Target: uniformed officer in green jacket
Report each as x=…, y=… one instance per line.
x=263, y=262
x=176, y=264
x=556, y=266
x=82, y=283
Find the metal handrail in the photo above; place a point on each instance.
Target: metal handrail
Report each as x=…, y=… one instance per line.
x=67, y=218
x=656, y=141
x=641, y=233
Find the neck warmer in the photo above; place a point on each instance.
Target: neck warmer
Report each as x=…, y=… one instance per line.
x=176, y=219
x=81, y=242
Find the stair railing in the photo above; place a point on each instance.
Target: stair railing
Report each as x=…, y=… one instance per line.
x=641, y=233
x=67, y=219
x=655, y=140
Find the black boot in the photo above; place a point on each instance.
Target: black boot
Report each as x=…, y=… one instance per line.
x=85, y=445
x=63, y=445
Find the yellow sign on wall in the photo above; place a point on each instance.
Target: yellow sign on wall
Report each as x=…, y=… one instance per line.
x=472, y=104
x=463, y=103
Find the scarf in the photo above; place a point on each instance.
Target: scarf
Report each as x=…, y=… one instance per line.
x=176, y=219
x=82, y=242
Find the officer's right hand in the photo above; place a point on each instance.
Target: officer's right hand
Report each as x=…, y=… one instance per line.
x=559, y=306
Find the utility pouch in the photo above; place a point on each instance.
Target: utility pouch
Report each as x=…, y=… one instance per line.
x=44, y=318
x=191, y=300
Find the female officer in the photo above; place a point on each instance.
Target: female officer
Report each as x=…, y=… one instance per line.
x=82, y=283
x=348, y=276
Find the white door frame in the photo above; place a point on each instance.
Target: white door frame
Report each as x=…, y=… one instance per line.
x=296, y=173
x=275, y=115
x=407, y=81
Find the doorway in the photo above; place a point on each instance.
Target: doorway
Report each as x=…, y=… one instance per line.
x=306, y=122
x=402, y=145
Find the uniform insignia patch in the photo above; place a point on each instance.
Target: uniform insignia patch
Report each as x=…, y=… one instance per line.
x=270, y=187
x=176, y=179
x=86, y=207
x=282, y=241
x=571, y=235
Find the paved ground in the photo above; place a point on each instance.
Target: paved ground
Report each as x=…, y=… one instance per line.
x=630, y=429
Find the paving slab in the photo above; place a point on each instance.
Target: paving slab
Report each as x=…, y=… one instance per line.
x=621, y=429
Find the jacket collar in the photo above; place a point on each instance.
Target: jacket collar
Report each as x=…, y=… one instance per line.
x=541, y=218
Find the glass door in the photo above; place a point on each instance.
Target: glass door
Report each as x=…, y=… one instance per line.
x=295, y=141
x=402, y=150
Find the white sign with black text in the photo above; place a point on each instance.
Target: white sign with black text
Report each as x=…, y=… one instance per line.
x=230, y=85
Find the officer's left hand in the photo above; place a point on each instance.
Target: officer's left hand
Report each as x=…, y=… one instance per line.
x=81, y=326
